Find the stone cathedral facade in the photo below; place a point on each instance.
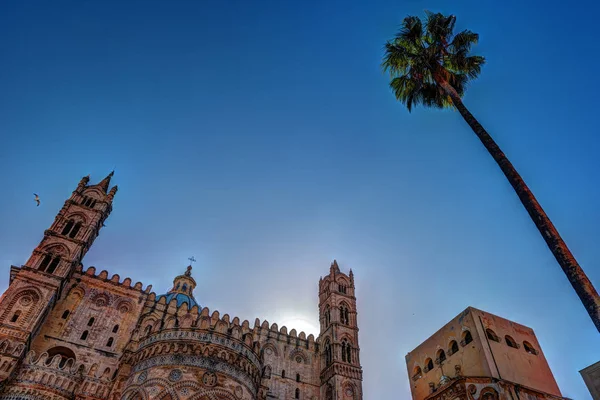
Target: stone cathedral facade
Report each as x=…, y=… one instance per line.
x=70, y=333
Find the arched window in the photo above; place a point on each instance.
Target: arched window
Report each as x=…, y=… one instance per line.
x=453, y=347
x=84, y=335
x=283, y=373
x=148, y=329
x=327, y=315
x=344, y=315
x=328, y=353
x=428, y=365
x=68, y=227
x=110, y=342
x=342, y=288
x=115, y=329
x=267, y=372
x=83, y=200
x=184, y=287
x=441, y=356
x=65, y=314
x=64, y=353
x=297, y=377
x=15, y=316
x=466, y=338
x=491, y=335
x=417, y=373
x=91, y=321
x=510, y=342
x=297, y=393
x=53, y=265
x=75, y=230
x=346, y=351
x=529, y=348
x=45, y=262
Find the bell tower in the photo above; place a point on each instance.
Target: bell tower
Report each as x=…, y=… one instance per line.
x=35, y=286
x=341, y=373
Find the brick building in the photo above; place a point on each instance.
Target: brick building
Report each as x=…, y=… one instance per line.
x=70, y=333
x=479, y=356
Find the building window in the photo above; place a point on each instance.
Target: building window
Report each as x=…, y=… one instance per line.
x=467, y=338
x=68, y=227
x=283, y=373
x=327, y=316
x=510, y=342
x=45, y=262
x=491, y=335
x=297, y=377
x=297, y=393
x=110, y=342
x=428, y=365
x=342, y=288
x=53, y=265
x=65, y=314
x=15, y=316
x=84, y=335
x=441, y=356
x=75, y=230
x=344, y=315
x=148, y=329
x=328, y=353
x=115, y=329
x=453, y=348
x=417, y=373
x=529, y=348
x=64, y=353
x=91, y=321
x=184, y=287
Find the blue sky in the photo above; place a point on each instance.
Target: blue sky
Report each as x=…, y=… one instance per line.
x=261, y=138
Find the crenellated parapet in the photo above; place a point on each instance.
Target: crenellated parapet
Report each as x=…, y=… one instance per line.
x=272, y=332
x=58, y=377
x=115, y=280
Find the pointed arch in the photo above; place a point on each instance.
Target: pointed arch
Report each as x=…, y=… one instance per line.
x=270, y=346
x=27, y=300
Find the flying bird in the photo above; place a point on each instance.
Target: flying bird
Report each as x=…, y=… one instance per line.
x=37, y=199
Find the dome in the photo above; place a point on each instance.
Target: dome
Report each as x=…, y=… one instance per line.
x=180, y=297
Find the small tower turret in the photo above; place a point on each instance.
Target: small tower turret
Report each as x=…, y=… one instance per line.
x=182, y=290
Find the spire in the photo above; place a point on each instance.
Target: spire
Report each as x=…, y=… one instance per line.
x=334, y=267
x=105, y=183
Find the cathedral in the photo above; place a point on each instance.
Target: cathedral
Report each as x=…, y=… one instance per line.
x=72, y=333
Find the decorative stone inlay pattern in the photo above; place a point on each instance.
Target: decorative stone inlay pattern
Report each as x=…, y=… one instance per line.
x=202, y=337
x=25, y=301
x=202, y=362
x=239, y=392
x=209, y=379
x=143, y=376
x=175, y=375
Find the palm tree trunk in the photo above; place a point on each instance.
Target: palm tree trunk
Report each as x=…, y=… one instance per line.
x=580, y=282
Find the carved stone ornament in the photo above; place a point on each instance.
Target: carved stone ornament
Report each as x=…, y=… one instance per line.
x=209, y=379
x=175, y=375
x=239, y=392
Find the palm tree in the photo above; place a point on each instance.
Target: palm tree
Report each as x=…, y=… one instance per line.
x=430, y=65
